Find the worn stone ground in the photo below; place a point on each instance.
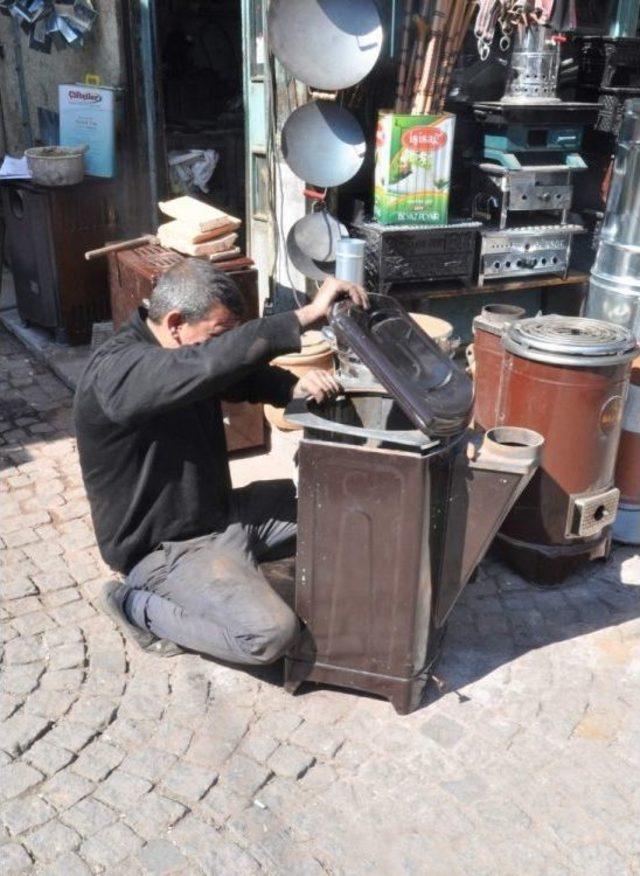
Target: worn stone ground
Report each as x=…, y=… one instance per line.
x=113, y=761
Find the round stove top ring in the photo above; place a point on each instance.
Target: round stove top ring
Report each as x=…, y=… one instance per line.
x=571, y=340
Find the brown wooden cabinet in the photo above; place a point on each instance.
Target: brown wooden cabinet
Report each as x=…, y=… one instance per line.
x=132, y=276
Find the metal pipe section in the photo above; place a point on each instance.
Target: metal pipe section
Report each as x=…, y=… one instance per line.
x=614, y=292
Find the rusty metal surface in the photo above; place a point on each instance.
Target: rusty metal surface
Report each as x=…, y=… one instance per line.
x=579, y=412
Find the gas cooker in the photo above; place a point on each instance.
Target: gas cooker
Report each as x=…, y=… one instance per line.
x=501, y=192
x=522, y=252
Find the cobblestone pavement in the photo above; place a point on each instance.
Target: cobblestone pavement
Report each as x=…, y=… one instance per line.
x=114, y=761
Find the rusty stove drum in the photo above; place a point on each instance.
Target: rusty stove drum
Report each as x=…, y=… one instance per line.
x=567, y=378
x=487, y=356
x=626, y=528
x=399, y=502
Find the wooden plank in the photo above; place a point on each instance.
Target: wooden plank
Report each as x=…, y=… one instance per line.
x=425, y=291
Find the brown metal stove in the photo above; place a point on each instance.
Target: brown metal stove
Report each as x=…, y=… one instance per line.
x=566, y=378
x=487, y=356
x=398, y=504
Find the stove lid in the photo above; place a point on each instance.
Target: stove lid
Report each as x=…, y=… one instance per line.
x=570, y=340
x=433, y=392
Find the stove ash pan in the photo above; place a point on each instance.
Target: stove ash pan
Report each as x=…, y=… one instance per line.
x=391, y=526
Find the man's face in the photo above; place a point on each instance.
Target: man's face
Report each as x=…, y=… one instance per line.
x=219, y=320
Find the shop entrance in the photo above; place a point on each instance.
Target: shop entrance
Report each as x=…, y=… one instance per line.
x=199, y=66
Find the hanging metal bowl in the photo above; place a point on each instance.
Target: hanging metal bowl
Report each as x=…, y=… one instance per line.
x=323, y=143
x=327, y=44
x=311, y=244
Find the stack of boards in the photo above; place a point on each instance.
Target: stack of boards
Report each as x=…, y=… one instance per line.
x=198, y=229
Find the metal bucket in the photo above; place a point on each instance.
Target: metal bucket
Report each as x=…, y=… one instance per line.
x=56, y=165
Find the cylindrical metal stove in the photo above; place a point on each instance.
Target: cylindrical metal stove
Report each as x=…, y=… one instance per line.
x=532, y=76
x=567, y=378
x=486, y=359
x=626, y=528
x=614, y=293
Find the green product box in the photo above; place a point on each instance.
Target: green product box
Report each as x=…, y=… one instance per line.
x=413, y=169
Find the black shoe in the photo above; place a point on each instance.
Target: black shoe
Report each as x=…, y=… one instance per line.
x=112, y=604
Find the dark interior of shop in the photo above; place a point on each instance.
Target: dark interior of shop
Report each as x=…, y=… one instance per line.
x=200, y=45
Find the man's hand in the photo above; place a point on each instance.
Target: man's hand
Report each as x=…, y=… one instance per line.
x=319, y=385
x=326, y=296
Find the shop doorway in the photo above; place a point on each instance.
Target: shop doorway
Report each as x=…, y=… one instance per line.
x=199, y=74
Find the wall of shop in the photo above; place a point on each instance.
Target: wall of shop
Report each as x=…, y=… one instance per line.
x=102, y=55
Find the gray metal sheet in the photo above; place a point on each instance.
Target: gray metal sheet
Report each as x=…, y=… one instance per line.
x=327, y=44
x=323, y=144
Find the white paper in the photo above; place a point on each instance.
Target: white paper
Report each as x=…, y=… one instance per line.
x=15, y=168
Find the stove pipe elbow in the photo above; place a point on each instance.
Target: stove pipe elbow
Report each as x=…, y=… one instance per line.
x=487, y=480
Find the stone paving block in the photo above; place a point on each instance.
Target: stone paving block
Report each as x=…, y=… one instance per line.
x=279, y=724
x=68, y=656
x=129, y=734
x=65, y=789
x=62, y=679
x=71, y=735
x=8, y=705
x=58, y=598
x=291, y=762
x=259, y=746
x=25, y=605
x=211, y=851
x=151, y=707
x=20, y=731
x=122, y=791
x=443, y=730
x=88, y=816
x=110, y=846
x=56, y=637
x=154, y=814
x=148, y=763
x=161, y=857
x=50, y=703
x=74, y=613
x=49, y=581
x=16, y=778
x=15, y=859
x=323, y=741
x=27, y=649
x=51, y=841
x=17, y=586
x=94, y=711
x=172, y=738
x=188, y=782
x=220, y=804
x=97, y=760
x=22, y=679
x=468, y=789
x=7, y=632
x=244, y=777
x=25, y=813
x=66, y=865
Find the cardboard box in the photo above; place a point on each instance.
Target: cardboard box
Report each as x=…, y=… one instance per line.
x=413, y=169
x=90, y=114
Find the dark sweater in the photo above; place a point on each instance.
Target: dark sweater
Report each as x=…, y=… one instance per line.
x=150, y=432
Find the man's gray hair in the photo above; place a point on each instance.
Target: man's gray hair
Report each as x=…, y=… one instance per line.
x=193, y=287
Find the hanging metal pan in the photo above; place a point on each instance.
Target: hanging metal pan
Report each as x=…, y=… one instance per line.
x=327, y=44
x=323, y=144
x=311, y=244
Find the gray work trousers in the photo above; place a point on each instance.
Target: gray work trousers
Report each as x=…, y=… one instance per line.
x=208, y=594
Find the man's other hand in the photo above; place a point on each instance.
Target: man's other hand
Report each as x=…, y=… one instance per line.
x=330, y=291
x=318, y=385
